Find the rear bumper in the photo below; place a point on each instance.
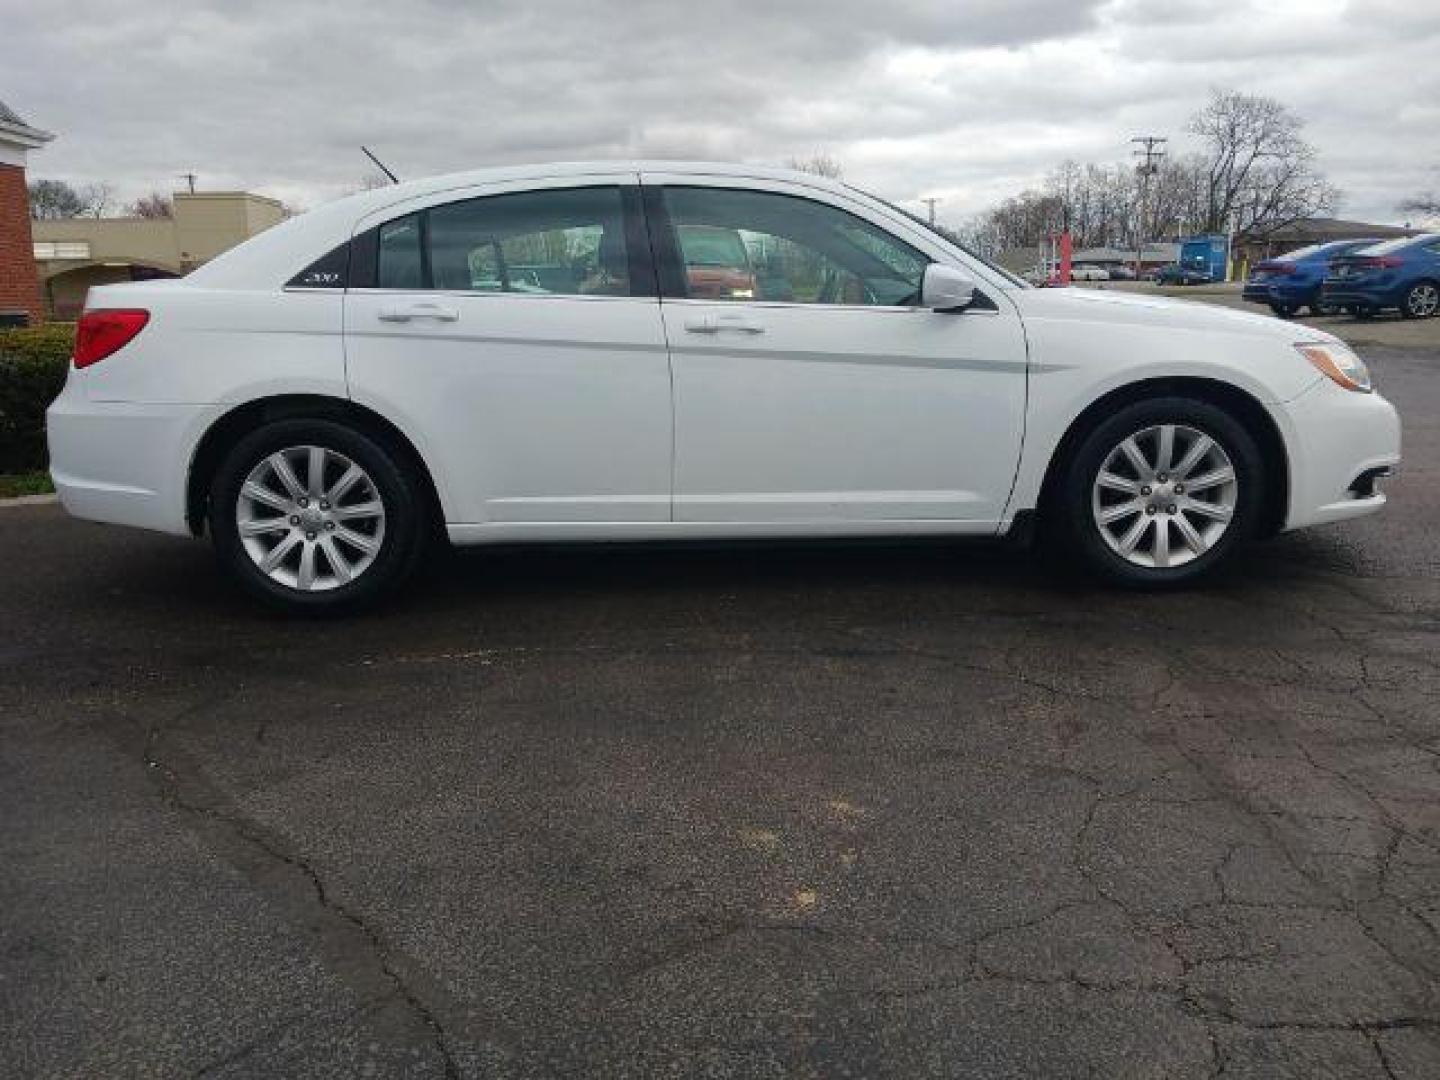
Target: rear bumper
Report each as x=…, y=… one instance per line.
x=123, y=463
x=1341, y=437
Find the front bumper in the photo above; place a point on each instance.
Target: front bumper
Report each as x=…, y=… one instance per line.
x=1345, y=295
x=123, y=463
x=1340, y=438
x=1269, y=292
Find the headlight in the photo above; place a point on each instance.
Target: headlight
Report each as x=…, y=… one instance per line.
x=1338, y=363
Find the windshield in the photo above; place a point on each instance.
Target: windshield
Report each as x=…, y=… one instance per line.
x=1017, y=282
x=1313, y=249
x=1394, y=245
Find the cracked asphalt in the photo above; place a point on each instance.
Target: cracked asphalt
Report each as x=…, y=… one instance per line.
x=867, y=811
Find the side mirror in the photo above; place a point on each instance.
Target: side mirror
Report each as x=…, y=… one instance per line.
x=945, y=288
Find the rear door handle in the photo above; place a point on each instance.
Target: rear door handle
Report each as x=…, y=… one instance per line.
x=714, y=324
x=425, y=310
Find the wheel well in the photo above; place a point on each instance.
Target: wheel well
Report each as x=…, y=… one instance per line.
x=239, y=422
x=1246, y=409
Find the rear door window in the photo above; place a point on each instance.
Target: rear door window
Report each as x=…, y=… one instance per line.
x=567, y=242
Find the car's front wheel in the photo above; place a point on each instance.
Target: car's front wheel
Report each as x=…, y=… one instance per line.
x=1161, y=492
x=316, y=516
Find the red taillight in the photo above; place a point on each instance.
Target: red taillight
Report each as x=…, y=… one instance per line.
x=103, y=332
x=1281, y=268
x=1381, y=262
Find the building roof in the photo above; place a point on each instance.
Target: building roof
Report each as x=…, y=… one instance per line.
x=1152, y=252
x=15, y=130
x=1325, y=228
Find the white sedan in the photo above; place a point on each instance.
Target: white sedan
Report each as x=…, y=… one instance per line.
x=652, y=351
x=1089, y=272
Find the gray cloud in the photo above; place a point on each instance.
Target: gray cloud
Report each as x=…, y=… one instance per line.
x=967, y=99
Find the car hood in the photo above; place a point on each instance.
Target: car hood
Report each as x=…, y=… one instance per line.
x=1132, y=309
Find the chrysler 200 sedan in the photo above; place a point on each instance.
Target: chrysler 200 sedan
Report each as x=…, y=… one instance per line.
x=647, y=351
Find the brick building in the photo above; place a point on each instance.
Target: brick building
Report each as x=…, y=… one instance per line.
x=20, y=298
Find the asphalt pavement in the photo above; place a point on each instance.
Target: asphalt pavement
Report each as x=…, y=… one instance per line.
x=817, y=811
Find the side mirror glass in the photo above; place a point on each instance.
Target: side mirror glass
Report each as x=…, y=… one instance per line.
x=945, y=288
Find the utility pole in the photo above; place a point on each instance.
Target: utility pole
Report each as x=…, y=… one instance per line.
x=189, y=177
x=1150, y=148
x=930, y=202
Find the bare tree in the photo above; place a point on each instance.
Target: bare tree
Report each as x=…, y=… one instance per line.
x=1427, y=204
x=97, y=199
x=817, y=165
x=371, y=181
x=154, y=206
x=52, y=200
x=1259, y=171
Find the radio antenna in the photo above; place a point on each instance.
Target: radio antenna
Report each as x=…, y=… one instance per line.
x=380, y=165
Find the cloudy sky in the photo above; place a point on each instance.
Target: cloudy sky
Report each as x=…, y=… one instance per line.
x=967, y=100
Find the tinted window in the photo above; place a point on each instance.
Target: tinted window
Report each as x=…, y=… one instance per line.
x=399, y=265
x=752, y=245
x=569, y=241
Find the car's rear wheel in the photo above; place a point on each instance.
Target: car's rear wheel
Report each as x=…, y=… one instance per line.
x=1422, y=300
x=316, y=516
x=1161, y=492
x=1285, y=311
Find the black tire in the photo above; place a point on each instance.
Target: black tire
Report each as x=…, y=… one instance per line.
x=1285, y=311
x=1419, y=301
x=1070, y=513
x=1362, y=312
x=402, y=540
x=1319, y=308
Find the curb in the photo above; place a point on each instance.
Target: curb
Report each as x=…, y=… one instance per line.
x=29, y=500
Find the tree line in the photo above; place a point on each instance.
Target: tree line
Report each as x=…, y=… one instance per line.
x=1251, y=170
x=55, y=200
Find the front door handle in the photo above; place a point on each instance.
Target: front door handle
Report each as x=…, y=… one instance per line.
x=714, y=324
x=425, y=310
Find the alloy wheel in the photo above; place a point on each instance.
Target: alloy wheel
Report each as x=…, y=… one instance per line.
x=1164, y=496
x=312, y=534
x=1423, y=300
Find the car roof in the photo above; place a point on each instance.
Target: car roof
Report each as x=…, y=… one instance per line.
x=553, y=170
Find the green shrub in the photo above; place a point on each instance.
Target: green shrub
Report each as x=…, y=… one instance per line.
x=33, y=363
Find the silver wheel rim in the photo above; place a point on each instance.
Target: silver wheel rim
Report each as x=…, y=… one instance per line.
x=1164, y=496
x=310, y=518
x=1424, y=299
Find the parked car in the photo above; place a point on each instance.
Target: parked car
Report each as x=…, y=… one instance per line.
x=334, y=395
x=1402, y=274
x=1088, y=272
x=1291, y=281
x=1121, y=272
x=1179, y=274
x=717, y=266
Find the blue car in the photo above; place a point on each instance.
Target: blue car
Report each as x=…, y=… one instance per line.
x=1402, y=274
x=1291, y=281
x=1181, y=274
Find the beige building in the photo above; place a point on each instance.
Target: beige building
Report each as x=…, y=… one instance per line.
x=75, y=253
